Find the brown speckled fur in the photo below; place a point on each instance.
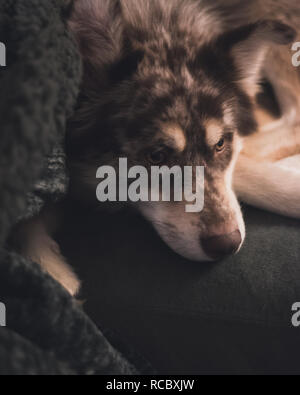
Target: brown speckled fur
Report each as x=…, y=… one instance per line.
x=149, y=63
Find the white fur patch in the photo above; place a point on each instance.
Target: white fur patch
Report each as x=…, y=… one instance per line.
x=270, y=186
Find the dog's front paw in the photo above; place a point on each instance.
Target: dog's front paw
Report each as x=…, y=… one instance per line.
x=70, y=282
x=32, y=241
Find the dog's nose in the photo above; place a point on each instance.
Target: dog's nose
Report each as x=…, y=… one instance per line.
x=217, y=247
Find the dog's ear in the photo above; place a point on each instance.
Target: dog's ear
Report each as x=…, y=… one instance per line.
x=124, y=68
x=106, y=51
x=249, y=46
x=97, y=27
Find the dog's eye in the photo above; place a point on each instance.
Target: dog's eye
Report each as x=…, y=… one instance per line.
x=221, y=145
x=157, y=157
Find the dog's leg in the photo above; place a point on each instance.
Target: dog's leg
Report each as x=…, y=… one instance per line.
x=273, y=145
x=267, y=174
x=33, y=240
x=268, y=185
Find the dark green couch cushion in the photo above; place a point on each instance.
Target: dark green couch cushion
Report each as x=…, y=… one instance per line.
x=229, y=317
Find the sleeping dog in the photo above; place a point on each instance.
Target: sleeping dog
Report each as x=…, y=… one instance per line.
x=174, y=83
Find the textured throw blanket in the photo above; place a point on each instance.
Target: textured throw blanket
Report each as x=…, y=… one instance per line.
x=46, y=332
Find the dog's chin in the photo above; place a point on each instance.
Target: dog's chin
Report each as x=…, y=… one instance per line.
x=181, y=234
x=188, y=248
x=195, y=255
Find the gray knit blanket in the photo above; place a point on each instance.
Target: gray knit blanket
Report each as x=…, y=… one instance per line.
x=46, y=331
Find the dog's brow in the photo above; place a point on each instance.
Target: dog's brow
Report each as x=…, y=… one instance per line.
x=214, y=131
x=175, y=133
x=228, y=116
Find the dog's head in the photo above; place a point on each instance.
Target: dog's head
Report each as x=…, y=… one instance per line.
x=167, y=83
